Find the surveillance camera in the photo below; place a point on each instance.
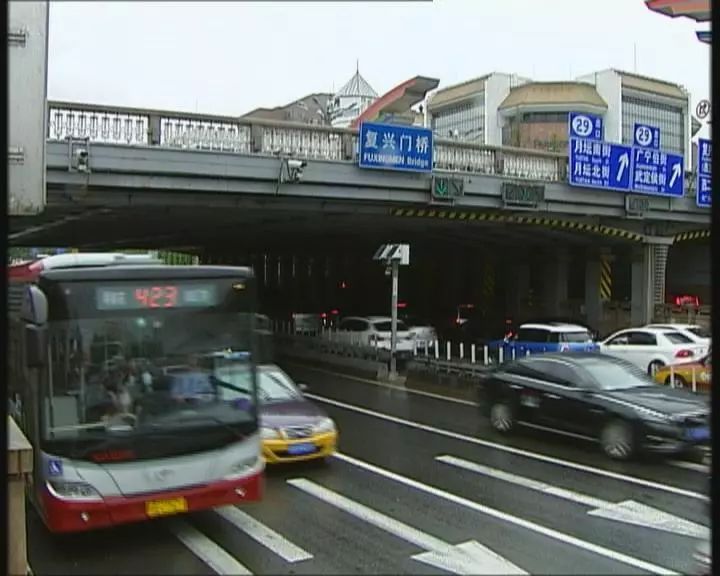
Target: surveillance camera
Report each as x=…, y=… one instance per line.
x=296, y=164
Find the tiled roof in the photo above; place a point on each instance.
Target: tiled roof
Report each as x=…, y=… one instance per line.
x=536, y=93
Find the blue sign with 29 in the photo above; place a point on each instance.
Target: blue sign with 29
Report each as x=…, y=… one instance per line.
x=646, y=136
x=586, y=126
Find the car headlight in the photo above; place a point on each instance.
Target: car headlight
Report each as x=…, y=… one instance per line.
x=73, y=490
x=704, y=377
x=325, y=425
x=268, y=433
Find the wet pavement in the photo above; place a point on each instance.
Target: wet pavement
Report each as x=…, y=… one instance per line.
x=422, y=485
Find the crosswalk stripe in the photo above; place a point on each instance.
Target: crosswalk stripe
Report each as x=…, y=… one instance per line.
x=263, y=534
x=208, y=551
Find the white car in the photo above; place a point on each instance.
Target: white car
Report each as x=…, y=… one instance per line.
x=375, y=331
x=651, y=348
x=422, y=331
x=695, y=332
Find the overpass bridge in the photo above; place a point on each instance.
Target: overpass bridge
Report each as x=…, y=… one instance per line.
x=131, y=177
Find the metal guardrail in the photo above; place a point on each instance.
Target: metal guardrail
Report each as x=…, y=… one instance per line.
x=185, y=130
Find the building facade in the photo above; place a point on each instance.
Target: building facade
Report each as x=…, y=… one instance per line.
x=508, y=110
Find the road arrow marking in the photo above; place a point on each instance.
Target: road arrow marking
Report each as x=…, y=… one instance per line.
x=466, y=558
x=264, y=535
x=629, y=511
x=676, y=172
x=624, y=160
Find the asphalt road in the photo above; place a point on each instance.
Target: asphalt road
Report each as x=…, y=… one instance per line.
x=421, y=486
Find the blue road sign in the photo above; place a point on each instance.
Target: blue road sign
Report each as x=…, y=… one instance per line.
x=396, y=147
x=587, y=126
x=55, y=467
x=646, y=136
x=657, y=172
x=600, y=164
x=704, y=173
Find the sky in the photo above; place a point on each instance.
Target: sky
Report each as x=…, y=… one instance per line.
x=231, y=57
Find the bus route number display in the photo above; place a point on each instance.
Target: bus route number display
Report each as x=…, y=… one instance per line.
x=137, y=297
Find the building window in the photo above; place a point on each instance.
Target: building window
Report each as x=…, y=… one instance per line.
x=545, y=117
x=669, y=119
x=465, y=122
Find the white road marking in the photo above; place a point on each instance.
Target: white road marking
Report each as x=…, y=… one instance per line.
x=386, y=385
x=628, y=511
x=208, y=551
x=466, y=558
x=527, y=524
x=704, y=468
x=264, y=535
x=512, y=450
x=677, y=463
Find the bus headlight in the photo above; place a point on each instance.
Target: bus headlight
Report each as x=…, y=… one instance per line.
x=241, y=467
x=268, y=433
x=324, y=426
x=79, y=491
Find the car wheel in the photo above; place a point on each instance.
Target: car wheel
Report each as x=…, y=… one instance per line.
x=679, y=382
x=502, y=416
x=618, y=440
x=654, y=366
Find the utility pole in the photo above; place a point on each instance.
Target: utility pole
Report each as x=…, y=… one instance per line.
x=393, y=315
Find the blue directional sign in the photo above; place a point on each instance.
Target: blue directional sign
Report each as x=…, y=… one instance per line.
x=600, y=164
x=646, y=136
x=657, y=172
x=704, y=173
x=396, y=147
x=587, y=126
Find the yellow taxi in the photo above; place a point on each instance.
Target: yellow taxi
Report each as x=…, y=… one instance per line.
x=683, y=374
x=293, y=428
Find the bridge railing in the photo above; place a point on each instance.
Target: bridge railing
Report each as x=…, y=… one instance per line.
x=191, y=131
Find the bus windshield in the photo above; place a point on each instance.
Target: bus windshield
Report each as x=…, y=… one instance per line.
x=158, y=381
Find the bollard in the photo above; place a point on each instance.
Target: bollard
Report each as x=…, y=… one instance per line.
x=462, y=350
x=486, y=355
x=426, y=348
x=672, y=376
x=448, y=350
x=512, y=354
x=415, y=347
x=501, y=355
x=472, y=353
x=527, y=352
x=437, y=349
x=694, y=380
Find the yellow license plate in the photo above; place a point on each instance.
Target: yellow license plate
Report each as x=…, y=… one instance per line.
x=165, y=507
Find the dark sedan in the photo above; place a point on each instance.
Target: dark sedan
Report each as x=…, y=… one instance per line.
x=596, y=395
x=292, y=427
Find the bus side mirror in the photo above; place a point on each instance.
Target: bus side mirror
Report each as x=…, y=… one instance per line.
x=35, y=346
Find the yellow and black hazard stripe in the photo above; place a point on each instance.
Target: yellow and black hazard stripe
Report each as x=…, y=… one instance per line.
x=694, y=235
x=605, y=278
x=466, y=215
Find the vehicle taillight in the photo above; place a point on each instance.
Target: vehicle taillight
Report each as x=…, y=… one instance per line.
x=684, y=354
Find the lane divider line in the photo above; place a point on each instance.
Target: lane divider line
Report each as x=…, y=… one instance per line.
x=263, y=535
x=512, y=450
x=527, y=524
x=208, y=551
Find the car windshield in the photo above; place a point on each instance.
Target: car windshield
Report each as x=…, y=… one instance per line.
x=616, y=374
x=275, y=386
x=579, y=336
x=386, y=325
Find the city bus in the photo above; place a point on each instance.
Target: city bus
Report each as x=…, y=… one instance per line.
x=135, y=383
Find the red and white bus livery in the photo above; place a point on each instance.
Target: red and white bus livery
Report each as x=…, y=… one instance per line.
x=135, y=382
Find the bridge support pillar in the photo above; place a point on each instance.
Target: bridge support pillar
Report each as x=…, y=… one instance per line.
x=648, y=281
x=555, y=282
x=593, y=300
x=520, y=290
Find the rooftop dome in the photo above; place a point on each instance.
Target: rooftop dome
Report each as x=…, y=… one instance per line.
x=357, y=86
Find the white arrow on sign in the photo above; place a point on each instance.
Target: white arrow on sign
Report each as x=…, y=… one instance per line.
x=467, y=558
x=676, y=171
x=624, y=160
x=629, y=511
